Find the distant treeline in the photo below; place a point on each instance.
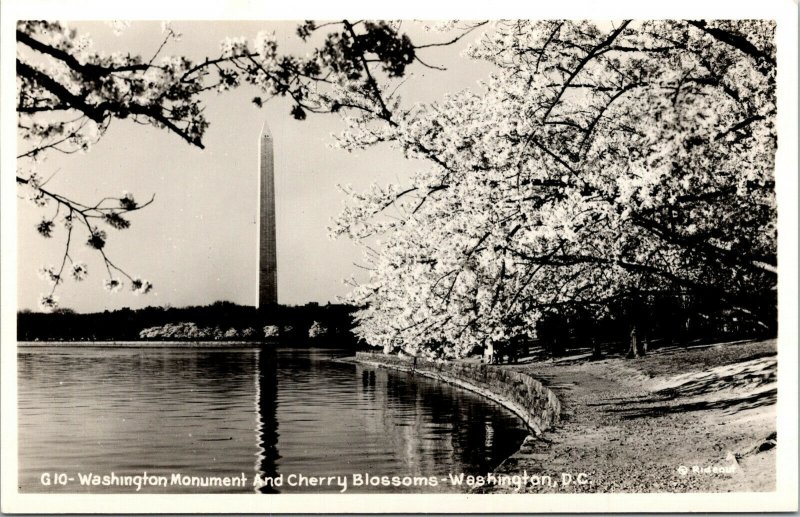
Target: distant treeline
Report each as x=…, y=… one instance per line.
x=655, y=320
x=312, y=323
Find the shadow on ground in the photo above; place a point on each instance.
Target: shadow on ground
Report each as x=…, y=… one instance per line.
x=732, y=388
x=731, y=405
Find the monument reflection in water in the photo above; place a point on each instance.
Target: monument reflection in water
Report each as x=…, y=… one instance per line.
x=262, y=413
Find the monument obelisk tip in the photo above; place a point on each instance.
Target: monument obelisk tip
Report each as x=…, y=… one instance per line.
x=265, y=132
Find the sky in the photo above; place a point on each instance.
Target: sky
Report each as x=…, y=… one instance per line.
x=197, y=241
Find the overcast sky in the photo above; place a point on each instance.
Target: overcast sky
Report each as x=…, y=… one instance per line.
x=197, y=241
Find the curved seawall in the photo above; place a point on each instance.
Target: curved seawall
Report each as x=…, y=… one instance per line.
x=537, y=405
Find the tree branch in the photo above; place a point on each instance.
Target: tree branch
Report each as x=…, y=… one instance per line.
x=588, y=57
x=735, y=40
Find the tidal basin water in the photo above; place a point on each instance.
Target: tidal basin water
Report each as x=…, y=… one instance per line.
x=245, y=413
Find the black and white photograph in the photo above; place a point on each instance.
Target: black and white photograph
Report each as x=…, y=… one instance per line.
x=422, y=263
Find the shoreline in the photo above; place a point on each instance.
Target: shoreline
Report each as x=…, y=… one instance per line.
x=546, y=402
x=517, y=409
x=678, y=420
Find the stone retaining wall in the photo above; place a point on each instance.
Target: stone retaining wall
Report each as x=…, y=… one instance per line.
x=538, y=406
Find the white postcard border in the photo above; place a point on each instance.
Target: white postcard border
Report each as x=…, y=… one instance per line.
x=783, y=499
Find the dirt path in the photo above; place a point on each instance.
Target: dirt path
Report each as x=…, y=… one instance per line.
x=630, y=425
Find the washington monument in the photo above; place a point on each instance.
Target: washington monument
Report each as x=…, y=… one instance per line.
x=267, y=256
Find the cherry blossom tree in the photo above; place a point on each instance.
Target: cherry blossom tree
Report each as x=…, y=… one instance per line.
x=67, y=96
x=316, y=330
x=598, y=163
